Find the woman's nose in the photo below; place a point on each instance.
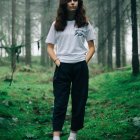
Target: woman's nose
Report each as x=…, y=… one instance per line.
x=72, y=1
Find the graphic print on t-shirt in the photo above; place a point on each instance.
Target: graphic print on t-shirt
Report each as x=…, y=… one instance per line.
x=80, y=32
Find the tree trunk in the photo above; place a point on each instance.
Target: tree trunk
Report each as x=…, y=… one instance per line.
x=13, y=55
x=43, y=32
x=99, y=55
x=118, y=48
x=49, y=62
x=123, y=54
x=1, y=52
x=104, y=34
x=110, y=39
x=123, y=33
x=28, y=33
x=135, y=59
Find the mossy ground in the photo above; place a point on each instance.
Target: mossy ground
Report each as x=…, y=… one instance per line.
x=26, y=106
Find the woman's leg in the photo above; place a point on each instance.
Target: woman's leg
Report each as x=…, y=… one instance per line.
x=61, y=87
x=79, y=94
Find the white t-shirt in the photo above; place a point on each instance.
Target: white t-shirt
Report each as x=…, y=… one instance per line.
x=70, y=44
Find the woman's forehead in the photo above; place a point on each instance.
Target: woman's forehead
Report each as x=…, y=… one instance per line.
x=65, y=1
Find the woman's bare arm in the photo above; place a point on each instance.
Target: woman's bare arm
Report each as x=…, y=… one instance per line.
x=91, y=50
x=50, y=50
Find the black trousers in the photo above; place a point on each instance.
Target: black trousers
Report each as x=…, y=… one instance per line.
x=70, y=78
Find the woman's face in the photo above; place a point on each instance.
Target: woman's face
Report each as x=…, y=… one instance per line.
x=72, y=5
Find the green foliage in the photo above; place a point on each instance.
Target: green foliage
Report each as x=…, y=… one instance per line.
x=112, y=110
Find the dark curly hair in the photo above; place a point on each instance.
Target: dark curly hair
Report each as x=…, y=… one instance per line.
x=61, y=19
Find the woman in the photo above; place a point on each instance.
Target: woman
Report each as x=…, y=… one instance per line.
x=68, y=34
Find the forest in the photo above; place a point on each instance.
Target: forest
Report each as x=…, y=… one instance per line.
x=26, y=71
x=25, y=24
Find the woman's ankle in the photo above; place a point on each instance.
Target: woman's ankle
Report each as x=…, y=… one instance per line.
x=56, y=133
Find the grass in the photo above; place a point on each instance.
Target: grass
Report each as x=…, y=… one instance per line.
x=26, y=106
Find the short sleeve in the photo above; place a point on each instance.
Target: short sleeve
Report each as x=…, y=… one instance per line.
x=51, y=37
x=90, y=33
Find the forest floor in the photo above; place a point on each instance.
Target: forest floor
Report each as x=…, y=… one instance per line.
x=112, y=110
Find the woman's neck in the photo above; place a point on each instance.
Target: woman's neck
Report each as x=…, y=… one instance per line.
x=71, y=15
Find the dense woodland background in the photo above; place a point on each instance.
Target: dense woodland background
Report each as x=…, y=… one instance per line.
x=26, y=71
x=24, y=25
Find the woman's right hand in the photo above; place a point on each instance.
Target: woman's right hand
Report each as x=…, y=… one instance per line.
x=50, y=50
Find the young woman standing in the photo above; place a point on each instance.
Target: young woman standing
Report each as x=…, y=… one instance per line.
x=68, y=35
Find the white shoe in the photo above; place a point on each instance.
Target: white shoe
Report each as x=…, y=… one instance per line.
x=71, y=138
